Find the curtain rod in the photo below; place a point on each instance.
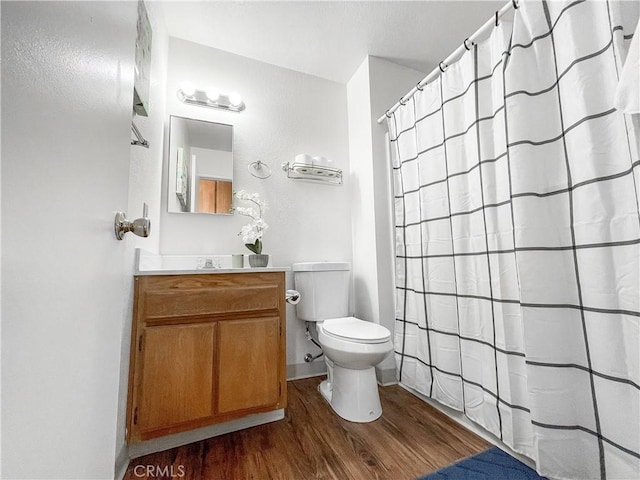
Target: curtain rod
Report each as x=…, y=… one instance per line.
x=513, y=4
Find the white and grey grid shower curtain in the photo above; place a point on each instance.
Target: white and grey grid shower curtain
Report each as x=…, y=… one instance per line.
x=518, y=240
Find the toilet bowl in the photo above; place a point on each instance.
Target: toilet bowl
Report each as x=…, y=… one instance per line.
x=351, y=347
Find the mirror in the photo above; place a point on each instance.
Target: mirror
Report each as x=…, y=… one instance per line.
x=200, y=166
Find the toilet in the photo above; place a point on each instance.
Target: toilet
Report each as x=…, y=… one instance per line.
x=351, y=347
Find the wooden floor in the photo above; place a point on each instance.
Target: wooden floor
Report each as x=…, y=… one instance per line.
x=311, y=442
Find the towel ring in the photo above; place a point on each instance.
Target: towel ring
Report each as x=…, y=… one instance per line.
x=259, y=169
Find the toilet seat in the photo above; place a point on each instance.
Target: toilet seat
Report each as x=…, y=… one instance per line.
x=352, y=329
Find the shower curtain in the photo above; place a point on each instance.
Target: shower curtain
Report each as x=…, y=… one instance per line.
x=518, y=240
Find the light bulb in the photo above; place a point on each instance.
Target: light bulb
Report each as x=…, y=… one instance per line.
x=235, y=99
x=188, y=88
x=212, y=93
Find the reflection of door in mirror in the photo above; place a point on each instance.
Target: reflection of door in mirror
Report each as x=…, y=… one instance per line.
x=200, y=166
x=214, y=196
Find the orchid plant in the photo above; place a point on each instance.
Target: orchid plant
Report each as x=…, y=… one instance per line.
x=252, y=233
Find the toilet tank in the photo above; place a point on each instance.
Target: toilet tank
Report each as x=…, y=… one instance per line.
x=324, y=290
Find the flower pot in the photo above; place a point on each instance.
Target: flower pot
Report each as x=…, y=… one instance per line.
x=258, y=260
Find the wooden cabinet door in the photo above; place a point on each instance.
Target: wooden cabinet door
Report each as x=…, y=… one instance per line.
x=206, y=349
x=248, y=364
x=207, y=196
x=177, y=379
x=224, y=197
x=214, y=196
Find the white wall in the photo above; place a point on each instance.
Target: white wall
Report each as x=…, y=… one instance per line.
x=376, y=86
x=287, y=113
x=145, y=167
x=145, y=178
x=363, y=231
x=215, y=164
x=67, y=85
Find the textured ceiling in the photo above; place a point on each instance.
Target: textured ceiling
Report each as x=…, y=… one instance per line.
x=330, y=39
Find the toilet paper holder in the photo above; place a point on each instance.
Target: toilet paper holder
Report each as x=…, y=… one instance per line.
x=292, y=297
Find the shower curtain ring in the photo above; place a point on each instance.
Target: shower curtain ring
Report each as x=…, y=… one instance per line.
x=515, y=4
x=419, y=87
x=442, y=67
x=497, y=17
x=465, y=44
x=401, y=102
x=387, y=114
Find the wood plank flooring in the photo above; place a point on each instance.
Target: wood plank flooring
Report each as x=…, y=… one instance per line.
x=312, y=442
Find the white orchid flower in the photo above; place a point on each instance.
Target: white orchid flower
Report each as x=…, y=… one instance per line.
x=250, y=237
x=261, y=224
x=252, y=234
x=248, y=212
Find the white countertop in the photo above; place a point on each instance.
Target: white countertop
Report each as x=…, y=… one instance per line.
x=199, y=271
x=149, y=263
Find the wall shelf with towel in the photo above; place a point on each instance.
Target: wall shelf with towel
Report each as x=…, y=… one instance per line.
x=305, y=171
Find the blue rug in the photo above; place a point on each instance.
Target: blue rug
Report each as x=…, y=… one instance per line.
x=492, y=464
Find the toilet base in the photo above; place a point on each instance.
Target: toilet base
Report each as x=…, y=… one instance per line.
x=353, y=394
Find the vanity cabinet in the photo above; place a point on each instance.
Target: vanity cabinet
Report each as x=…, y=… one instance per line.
x=205, y=349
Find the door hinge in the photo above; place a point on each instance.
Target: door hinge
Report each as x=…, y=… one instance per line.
x=140, y=343
x=135, y=416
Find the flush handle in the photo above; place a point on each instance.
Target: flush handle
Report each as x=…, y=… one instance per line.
x=140, y=226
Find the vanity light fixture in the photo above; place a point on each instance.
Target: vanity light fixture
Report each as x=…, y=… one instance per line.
x=210, y=97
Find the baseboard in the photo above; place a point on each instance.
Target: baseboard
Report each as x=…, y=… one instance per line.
x=171, y=441
x=297, y=371
x=463, y=420
x=122, y=463
x=386, y=376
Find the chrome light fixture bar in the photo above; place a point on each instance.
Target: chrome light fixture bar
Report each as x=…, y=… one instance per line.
x=210, y=97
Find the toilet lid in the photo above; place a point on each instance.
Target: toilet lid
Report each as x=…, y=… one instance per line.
x=351, y=328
